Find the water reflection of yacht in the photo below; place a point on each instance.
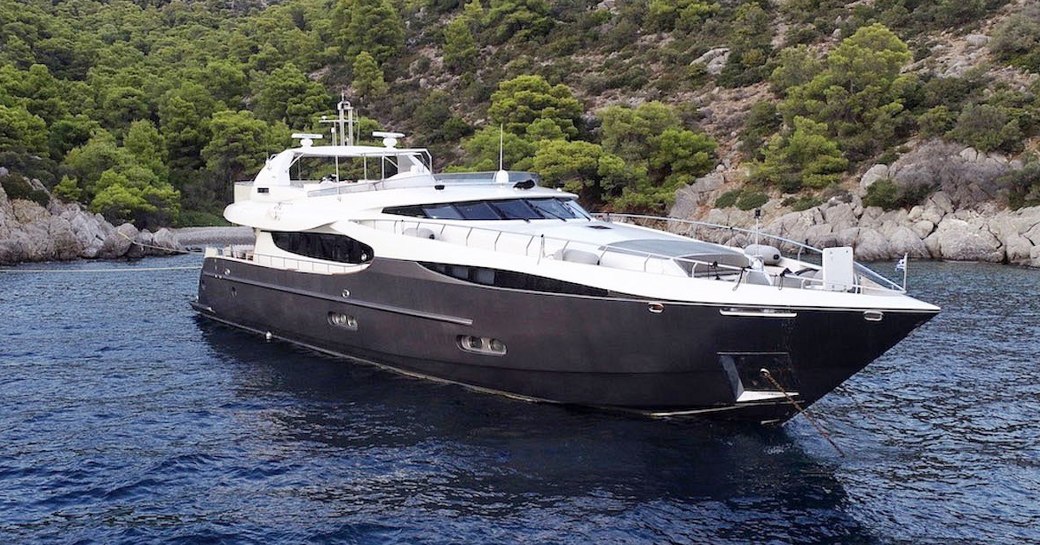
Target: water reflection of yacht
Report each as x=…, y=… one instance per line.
x=491, y=281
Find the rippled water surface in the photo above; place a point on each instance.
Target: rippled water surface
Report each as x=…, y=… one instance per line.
x=124, y=419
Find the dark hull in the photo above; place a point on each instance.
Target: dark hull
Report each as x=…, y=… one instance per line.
x=609, y=352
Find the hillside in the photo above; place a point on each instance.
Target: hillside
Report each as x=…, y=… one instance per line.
x=145, y=111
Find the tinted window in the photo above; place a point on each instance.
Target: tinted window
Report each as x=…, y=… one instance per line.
x=516, y=209
x=324, y=246
x=509, y=209
x=514, y=280
x=442, y=212
x=477, y=210
x=414, y=211
x=553, y=208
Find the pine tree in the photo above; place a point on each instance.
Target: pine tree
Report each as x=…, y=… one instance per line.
x=368, y=77
x=460, y=48
x=368, y=25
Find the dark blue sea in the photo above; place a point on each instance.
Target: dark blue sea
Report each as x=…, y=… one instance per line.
x=124, y=419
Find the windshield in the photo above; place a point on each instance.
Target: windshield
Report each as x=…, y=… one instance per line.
x=508, y=209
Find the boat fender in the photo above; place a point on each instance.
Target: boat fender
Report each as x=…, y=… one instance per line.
x=420, y=232
x=769, y=255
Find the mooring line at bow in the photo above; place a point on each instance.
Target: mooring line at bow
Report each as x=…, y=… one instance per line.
x=803, y=411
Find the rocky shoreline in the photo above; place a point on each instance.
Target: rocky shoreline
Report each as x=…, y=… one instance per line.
x=962, y=220
x=62, y=232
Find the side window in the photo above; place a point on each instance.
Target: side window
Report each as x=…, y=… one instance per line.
x=414, y=211
x=477, y=210
x=442, y=212
x=516, y=209
x=328, y=247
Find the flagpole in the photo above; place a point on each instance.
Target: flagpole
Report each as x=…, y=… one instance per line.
x=906, y=265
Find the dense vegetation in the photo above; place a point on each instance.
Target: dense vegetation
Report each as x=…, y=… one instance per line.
x=147, y=110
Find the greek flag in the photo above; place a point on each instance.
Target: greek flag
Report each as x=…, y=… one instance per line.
x=901, y=266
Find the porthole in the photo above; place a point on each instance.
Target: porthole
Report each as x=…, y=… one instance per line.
x=344, y=321
x=481, y=345
x=873, y=315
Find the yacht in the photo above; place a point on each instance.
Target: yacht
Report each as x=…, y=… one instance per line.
x=491, y=281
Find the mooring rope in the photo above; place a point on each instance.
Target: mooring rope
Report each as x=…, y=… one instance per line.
x=122, y=269
x=161, y=248
x=801, y=410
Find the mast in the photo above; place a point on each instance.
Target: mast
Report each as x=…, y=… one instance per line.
x=344, y=123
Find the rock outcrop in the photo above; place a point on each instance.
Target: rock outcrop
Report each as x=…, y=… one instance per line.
x=962, y=219
x=31, y=232
x=932, y=230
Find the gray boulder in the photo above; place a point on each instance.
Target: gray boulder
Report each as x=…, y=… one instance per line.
x=959, y=240
x=840, y=216
x=714, y=60
x=872, y=245
x=904, y=240
x=66, y=245
x=165, y=238
x=117, y=243
x=875, y=173
x=142, y=245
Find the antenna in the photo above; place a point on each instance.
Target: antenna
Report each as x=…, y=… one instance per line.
x=501, y=177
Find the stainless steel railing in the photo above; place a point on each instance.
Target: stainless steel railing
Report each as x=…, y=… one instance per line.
x=547, y=247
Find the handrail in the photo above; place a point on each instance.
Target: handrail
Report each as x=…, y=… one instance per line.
x=859, y=267
x=560, y=245
x=608, y=217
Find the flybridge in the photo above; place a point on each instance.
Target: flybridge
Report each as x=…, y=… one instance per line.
x=311, y=170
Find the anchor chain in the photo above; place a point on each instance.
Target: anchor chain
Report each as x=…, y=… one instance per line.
x=803, y=411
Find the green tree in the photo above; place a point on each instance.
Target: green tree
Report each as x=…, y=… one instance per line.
x=460, y=48
x=121, y=105
x=147, y=147
x=22, y=131
x=136, y=196
x=583, y=168
x=860, y=95
x=750, y=46
x=435, y=121
x=482, y=150
x=1017, y=39
x=288, y=95
x=524, y=99
x=796, y=65
x=225, y=81
x=987, y=128
x=368, y=77
x=368, y=25
x=184, y=114
x=68, y=133
x=685, y=15
x=100, y=154
x=805, y=157
x=238, y=147
x=662, y=153
x=519, y=20
x=681, y=155
x=762, y=122
x=629, y=132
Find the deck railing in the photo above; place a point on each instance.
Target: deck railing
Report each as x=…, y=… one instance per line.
x=689, y=228
x=547, y=247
